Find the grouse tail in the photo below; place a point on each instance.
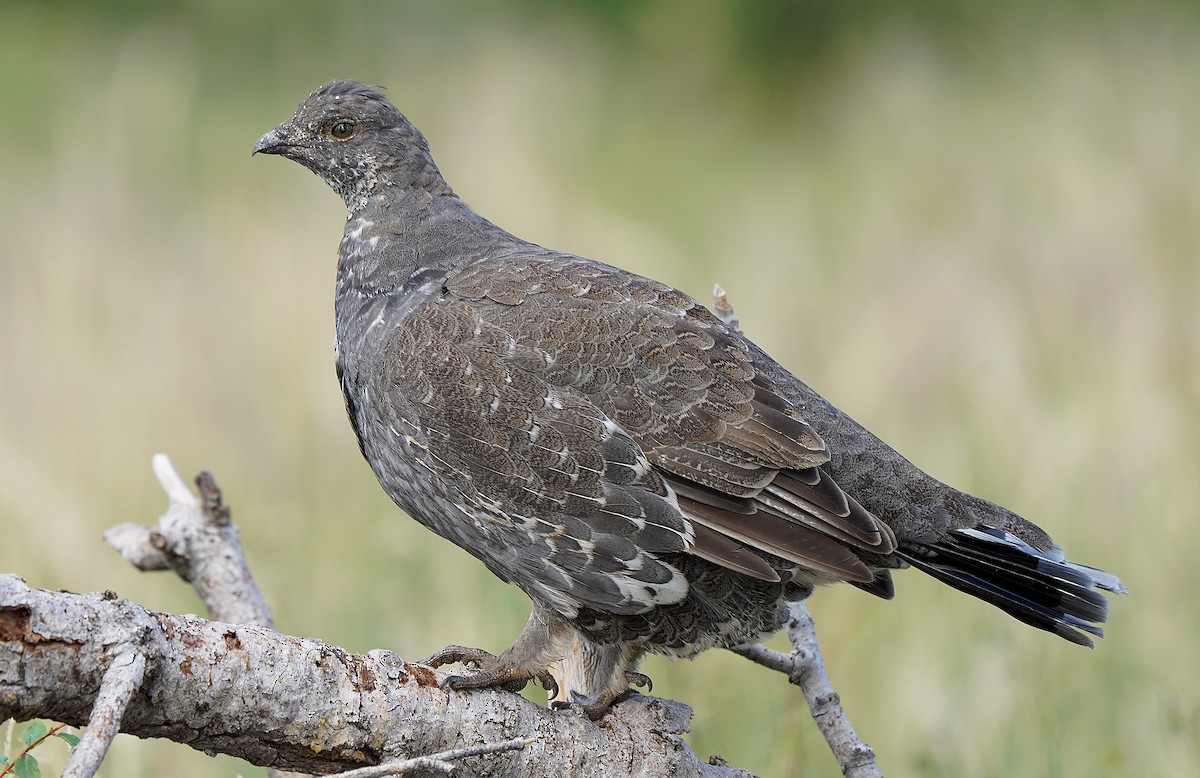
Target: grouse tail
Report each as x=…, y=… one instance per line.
x=1041, y=588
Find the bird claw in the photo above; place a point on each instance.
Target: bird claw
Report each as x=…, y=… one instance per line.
x=490, y=671
x=593, y=706
x=467, y=657
x=640, y=680
x=493, y=672
x=596, y=705
x=549, y=684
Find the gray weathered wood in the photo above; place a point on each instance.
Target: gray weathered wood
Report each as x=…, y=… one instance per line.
x=300, y=704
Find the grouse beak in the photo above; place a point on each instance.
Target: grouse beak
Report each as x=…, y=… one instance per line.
x=273, y=142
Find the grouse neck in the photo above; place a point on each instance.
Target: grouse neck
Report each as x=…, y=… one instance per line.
x=401, y=233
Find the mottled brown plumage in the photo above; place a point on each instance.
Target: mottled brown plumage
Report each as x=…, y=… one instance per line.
x=651, y=478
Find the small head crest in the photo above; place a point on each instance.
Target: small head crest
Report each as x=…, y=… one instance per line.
x=339, y=89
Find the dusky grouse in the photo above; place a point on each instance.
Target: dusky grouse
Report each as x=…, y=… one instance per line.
x=651, y=478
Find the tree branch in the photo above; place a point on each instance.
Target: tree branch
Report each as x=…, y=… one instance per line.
x=123, y=677
x=197, y=540
x=805, y=668
x=300, y=704
x=442, y=762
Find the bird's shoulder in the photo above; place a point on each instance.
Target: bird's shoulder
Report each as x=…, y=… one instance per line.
x=515, y=274
x=653, y=358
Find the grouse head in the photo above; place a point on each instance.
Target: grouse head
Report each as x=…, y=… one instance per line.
x=350, y=135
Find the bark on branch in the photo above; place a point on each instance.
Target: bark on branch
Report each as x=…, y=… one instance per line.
x=300, y=704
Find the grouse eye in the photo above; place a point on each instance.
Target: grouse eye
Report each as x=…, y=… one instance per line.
x=342, y=130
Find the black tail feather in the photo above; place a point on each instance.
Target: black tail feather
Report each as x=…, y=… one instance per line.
x=1040, y=588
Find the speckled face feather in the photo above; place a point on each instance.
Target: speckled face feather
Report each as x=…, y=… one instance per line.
x=652, y=479
x=384, y=149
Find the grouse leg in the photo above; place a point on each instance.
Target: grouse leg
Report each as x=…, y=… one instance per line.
x=596, y=676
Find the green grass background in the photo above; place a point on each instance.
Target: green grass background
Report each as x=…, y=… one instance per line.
x=975, y=229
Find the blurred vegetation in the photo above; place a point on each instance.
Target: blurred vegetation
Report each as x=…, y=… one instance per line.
x=973, y=226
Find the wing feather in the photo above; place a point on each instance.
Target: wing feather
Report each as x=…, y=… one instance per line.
x=601, y=396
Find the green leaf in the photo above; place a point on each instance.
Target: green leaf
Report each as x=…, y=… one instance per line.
x=27, y=767
x=72, y=740
x=32, y=732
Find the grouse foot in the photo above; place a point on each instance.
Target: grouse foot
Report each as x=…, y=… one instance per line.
x=491, y=671
x=596, y=705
